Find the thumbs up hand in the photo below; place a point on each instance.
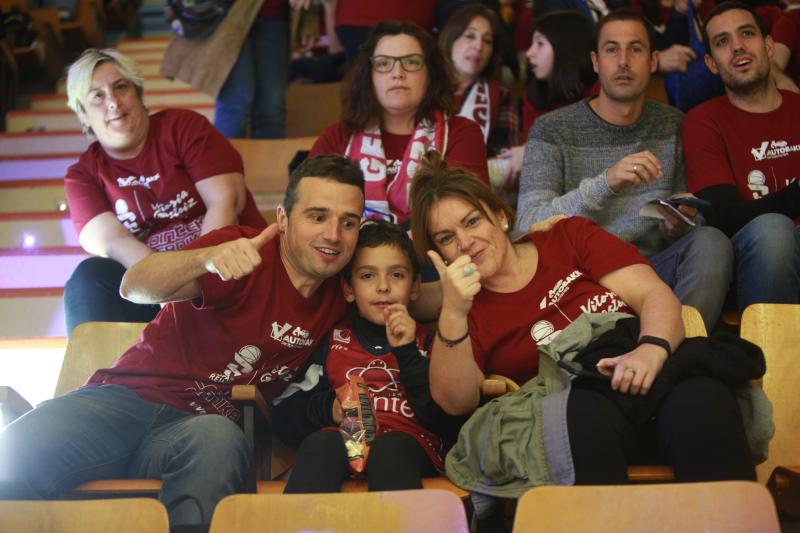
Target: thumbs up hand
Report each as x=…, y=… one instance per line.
x=236, y=259
x=460, y=280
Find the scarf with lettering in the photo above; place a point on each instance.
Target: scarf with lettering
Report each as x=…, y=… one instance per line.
x=477, y=107
x=385, y=199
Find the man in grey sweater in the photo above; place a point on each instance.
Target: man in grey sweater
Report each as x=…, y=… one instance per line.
x=604, y=158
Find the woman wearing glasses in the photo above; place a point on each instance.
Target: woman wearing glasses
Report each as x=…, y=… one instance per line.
x=397, y=107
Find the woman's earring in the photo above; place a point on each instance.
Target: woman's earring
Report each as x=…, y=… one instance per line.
x=505, y=226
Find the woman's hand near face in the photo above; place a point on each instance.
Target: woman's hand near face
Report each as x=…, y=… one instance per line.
x=460, y=280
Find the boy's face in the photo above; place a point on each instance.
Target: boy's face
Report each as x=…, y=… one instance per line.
x=381, y=276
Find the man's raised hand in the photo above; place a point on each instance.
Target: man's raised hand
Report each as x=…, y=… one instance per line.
x=633, y=170
x=238, y=258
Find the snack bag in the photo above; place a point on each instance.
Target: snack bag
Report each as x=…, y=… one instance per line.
x=359, y=425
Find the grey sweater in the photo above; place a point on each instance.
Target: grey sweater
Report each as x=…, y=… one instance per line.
x=566, y=154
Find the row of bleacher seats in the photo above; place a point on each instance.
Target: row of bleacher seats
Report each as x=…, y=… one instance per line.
x=717, y=506
x=771, y=326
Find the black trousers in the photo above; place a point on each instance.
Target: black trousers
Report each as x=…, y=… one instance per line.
x=92, y=294
x=697, y=430
x=396, y=462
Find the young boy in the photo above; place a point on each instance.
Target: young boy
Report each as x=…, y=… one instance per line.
x=386, y=348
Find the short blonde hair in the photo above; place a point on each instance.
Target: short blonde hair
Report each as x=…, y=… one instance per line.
x=79, y=75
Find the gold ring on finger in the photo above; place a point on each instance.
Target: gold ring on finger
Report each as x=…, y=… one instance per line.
x=630, y=369
x=635, y=169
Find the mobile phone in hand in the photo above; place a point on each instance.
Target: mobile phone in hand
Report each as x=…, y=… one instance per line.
x=690, y=201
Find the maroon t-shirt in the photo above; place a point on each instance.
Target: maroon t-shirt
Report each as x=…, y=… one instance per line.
x=153, y=194
x=381, y=373
x=507, y=328
x=258, y=330
x=787, y=32
x=370, y=12
x=758, y=153
x=465, y=146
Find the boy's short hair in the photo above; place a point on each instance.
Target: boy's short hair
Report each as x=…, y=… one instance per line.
x=376, y=233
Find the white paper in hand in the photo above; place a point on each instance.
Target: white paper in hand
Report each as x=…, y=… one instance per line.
x=650, y=209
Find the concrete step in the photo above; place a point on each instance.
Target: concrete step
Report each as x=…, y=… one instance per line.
x=30, y=313
x=147, y=44
x=36, y=229
x=145, y=55
x=30, y=196
x=66, y=121
x=36, y=166
x=40, y=268
x=42, y=142
x=16, y=355
x=151, y=83
x=171, y=98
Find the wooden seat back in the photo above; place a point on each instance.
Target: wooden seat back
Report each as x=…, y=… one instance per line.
x=407, y=511
x=684, y=507
x=775, y=328
x=94, y=345
x=84, y=516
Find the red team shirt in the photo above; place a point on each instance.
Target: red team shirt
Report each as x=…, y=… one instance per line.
x=759, y=153
x=573, y=256
x=153, y=194
x=347, y=356
x=465, y=146
x=257, y=330
x=787, y=32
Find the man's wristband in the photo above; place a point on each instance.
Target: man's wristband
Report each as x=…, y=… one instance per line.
x=658, y=341
x=450, y=342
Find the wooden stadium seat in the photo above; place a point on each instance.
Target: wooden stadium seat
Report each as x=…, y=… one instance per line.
x=353, y=485
x=407, y=511
x=84, y=516
x=775, y=328
x=495, y=385
x=96, y=345
x=685, y=507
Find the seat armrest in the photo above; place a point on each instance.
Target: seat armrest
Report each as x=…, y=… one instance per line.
x=257, y=426
x=12, y=404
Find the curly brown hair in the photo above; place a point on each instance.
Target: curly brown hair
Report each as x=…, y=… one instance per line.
x=435, y=180
x=361, y=107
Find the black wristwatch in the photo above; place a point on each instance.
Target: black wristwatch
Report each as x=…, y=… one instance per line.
x=658, y=341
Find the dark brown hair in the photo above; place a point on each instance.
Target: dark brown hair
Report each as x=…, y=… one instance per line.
x=333, y=167
x=721, y=8
x=458, y=24
x=435, y=180
x=376, y=233
x=361, y=106
x=627, y=14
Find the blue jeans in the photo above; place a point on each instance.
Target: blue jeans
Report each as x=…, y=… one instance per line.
x=92, y=294
x=767, y=261
x=109, y=432
x=255, y=90
x=699, y=269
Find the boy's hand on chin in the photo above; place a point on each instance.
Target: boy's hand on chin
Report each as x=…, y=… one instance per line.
x=400, y=327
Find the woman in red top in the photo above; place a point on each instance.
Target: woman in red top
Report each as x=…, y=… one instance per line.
x=501, y=300
x=397, y=107
x=148, y=183
x=467, y=42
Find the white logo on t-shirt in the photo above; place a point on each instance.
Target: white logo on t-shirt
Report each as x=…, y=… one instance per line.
x=773, y=150
x=543, y=332
x=298, y=338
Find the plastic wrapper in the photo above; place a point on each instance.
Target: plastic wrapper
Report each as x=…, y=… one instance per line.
x=359, y=425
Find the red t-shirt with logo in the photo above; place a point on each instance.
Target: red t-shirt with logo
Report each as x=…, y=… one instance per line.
x=258, y=330
x=381, y=372
x=507, y=328
x=370, y=12
x=153, y=194
x=759, y=153
x=787, y=32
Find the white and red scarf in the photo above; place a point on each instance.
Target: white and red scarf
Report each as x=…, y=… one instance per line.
x=388, y=199
x=477, y=107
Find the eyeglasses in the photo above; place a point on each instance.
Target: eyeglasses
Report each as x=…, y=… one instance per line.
x=410, y=63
